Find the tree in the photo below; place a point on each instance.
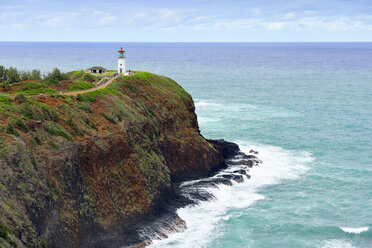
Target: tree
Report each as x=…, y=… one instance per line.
x=35, y=75
x=56, y=74
x=2, y=73
x=12, y=75
x=25, y=75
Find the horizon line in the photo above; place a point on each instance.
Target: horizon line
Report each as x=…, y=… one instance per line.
x=188, y=41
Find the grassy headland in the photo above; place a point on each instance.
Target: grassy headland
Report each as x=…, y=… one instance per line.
x=75, y=166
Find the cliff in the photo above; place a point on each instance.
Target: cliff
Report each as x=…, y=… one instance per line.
x=87, y=170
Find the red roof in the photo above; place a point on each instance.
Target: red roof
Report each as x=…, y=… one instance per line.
x=121, y=50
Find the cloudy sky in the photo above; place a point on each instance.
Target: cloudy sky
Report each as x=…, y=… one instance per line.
x=185, y=21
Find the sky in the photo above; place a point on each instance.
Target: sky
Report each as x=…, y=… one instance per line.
x=186, y=21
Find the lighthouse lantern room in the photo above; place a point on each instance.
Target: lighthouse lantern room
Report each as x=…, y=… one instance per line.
x=121, y=62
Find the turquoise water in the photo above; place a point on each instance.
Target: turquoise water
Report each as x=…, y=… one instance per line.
x=306, y=107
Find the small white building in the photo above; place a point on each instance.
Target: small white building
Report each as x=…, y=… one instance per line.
x=121, y=62
x=97, y=69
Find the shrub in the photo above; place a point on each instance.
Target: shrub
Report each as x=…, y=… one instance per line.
x=21, y=98
x=56, y=130
x=30, y=111
x=109, y=117
x=49, y=113
x=50, y=81
x=75, y=129
x=75, y=74
x=31, y=86
x=37, y=139
x=86, y=107
x=4, y=234
x=53, y=145
x=12, y=75
x=88, y=77
x=43, y=243
x=10, y=129
x=5, y=84
x=132, y=87
x=56, y=74
x=19, y=124
x=87, y=97
x=34, y=112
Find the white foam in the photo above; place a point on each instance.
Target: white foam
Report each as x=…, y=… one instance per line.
x=245, y=111
x=205, y=120
x=337, y=243
x=204, y=220
x=354, y=230
x=205, y=104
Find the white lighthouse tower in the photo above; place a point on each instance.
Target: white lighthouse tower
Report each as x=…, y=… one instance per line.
x=121, y=62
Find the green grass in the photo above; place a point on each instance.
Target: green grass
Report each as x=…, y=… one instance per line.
x=31, y=86
x=38, y=111
x=92, y=96
x=145, y=76
x=81, y=85
x=5, y=100
x=109, y=72
x=4, y=94
x=75, y=74
x=36, y=91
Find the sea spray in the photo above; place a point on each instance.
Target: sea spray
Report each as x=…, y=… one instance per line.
x=356, y=230
x=205, y=219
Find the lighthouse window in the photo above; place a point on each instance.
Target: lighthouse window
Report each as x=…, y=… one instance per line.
x=121, y=64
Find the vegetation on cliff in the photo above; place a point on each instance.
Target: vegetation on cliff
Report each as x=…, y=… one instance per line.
x=15, y=82
x=73, y=167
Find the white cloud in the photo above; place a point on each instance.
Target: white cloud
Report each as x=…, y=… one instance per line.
x=163, y=17
x=289, y=16
x=102, y=18
x=97, y=12
x=10, y=15
x=275, y=26
x=333, y=23
x=256, y=11
x=61, y=20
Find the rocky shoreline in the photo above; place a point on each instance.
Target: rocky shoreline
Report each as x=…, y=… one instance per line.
x=106, y=169
x=235, y=169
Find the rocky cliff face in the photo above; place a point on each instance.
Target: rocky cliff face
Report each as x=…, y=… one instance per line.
x=86, y=171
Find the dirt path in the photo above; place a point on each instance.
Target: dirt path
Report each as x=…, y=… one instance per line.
x=100, y=85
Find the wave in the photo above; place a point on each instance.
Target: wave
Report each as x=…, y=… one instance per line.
x=337, y=243
x=203, y=103
x=204, y=220
x=205, y=120
x=354, y=230
x=245, y=111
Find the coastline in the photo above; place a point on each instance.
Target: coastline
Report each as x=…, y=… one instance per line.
x=189, y=193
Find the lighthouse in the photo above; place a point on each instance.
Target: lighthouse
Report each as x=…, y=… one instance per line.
x=121, y=62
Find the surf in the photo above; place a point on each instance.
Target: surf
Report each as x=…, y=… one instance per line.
x=204, y=220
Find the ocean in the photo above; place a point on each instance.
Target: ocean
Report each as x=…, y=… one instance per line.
x=305, y=107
